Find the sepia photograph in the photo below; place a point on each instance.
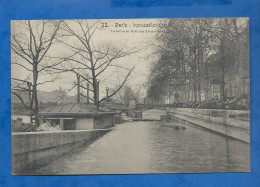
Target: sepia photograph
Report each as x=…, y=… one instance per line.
x=130, y=96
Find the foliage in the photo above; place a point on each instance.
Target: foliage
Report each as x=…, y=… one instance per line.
x=195, y=53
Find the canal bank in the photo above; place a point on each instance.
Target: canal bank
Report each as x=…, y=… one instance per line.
x=62, y=129
x=32, y=150
x=231, y=123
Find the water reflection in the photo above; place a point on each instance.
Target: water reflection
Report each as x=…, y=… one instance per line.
x=154, y=147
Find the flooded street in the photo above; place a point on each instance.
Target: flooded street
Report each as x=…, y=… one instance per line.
x=154, y=147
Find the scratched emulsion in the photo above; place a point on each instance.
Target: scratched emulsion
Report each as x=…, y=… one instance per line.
x=154, y=147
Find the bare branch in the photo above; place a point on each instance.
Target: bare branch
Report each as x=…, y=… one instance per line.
x=67, y=92
x=19, y=54
x=19, y=46
x=50, y=43
x=87, y=97
x=15, y=63
x=21, y=80
x=44, y=82
x=76, y=35
x=22, y=101
x=86, y=88
x=122, y=84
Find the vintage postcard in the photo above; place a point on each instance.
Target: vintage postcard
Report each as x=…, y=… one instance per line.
x=130, y=96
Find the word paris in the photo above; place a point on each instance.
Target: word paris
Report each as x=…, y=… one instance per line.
x=133, y=25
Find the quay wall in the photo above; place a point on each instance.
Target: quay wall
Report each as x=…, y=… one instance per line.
x=32, y=150
x=103, y=122
x=231, y=123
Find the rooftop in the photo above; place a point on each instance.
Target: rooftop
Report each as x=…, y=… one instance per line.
x=75, y=109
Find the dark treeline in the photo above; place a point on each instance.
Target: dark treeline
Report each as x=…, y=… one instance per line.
x=196, y=54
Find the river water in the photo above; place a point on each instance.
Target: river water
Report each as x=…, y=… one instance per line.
x=154, y=147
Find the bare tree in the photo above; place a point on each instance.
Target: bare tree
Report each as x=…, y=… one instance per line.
x=30, y=43
x=91, y=60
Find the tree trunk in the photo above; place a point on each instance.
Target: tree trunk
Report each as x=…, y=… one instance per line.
x=206, y=91
x=181, y=88
x=97, y=95
x=189, y=91
x=222, y=85
x=199, y=91
x=199, y=83
x=35, y=96
x=188, y=99
x=78, y=89
x=95, y=88
x=195, y=91
x=37, y=119
x=222, y=67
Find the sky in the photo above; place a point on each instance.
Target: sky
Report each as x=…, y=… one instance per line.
x=129, y=33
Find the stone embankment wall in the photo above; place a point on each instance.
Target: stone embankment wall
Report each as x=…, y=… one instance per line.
x=232, y=123
x=32, y=150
